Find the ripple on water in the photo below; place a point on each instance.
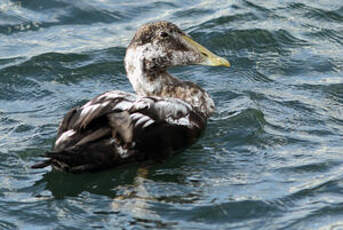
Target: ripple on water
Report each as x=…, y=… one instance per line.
x=269, y=159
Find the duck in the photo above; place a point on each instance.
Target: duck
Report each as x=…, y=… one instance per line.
x=164, y=116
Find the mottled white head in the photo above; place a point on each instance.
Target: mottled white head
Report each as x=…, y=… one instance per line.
x=157, y=46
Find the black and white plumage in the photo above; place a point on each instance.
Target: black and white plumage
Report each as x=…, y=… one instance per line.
x=165, y=116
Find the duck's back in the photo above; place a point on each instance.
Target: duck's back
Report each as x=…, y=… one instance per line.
x=117, y=127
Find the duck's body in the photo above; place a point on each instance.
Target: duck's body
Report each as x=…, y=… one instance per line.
x=165, y=116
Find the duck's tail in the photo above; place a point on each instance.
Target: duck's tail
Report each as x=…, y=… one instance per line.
x=42, y=164
x=95, y=149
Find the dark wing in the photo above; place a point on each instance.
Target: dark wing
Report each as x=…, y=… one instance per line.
x=118, y=127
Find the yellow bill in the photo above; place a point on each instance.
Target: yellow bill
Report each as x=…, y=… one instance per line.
x=209, y=58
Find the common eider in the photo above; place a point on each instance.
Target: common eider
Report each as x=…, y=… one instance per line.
x=166, y=115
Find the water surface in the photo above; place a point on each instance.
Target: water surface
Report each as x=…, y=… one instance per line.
x=271, y=157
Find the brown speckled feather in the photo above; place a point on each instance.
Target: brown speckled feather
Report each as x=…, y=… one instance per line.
x=165, y=116
x=127, y=127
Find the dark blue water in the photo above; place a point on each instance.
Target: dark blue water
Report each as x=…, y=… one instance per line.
x=271, y=157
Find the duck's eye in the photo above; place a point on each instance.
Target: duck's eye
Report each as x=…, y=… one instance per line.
x=164, y=34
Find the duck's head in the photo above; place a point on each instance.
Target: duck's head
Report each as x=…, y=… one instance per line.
x=157, y=46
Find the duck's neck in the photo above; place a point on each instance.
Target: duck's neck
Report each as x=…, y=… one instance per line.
x=160, y=83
